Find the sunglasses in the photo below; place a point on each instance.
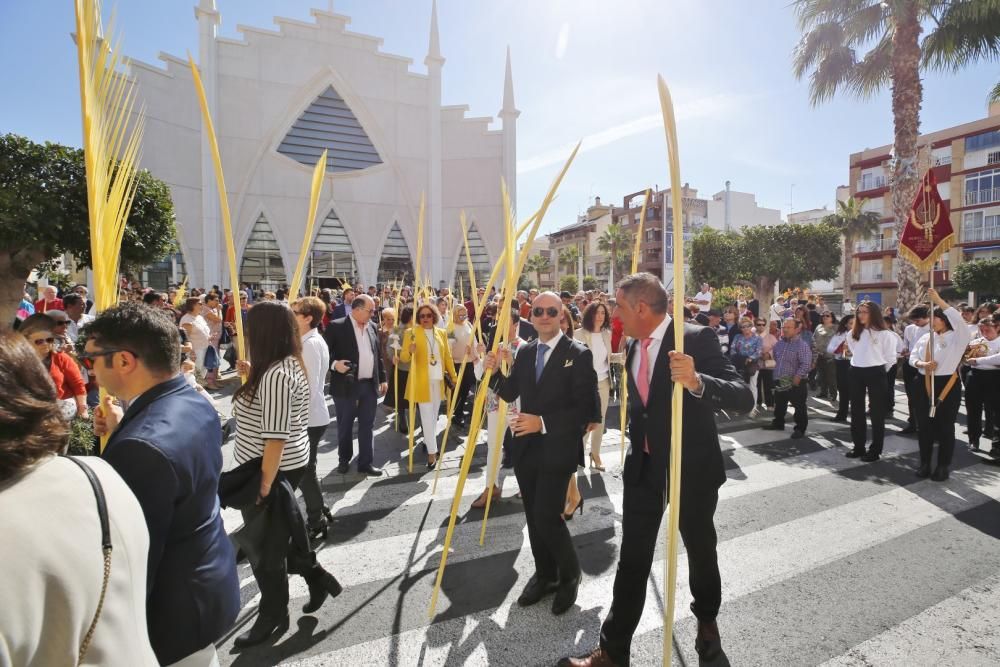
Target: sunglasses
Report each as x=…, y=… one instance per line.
x=43, y=341
x=745, y=326
x=425, y=316
x=87, y=358
x=550, y=311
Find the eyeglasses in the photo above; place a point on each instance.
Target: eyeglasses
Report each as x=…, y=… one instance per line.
x=551, y=311
x=745, y=326
x=87, y=358
x=39, y=342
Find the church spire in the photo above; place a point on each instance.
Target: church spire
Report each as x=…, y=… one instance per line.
x=434, y=47
x=508, y=91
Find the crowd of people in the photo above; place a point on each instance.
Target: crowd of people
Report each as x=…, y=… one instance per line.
x=422, y=353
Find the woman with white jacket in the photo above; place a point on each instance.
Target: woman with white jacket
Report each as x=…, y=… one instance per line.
x=940, y=360
x=873, y=347
x=596, y=335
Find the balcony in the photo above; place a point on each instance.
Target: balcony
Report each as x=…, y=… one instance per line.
x=867, y=277
x=987, y=196
x=873, y=183
x=980, y=234
x=942, y=160
x=876, y=245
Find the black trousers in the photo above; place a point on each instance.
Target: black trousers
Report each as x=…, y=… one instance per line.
x=843, y=368
x=912, y=381
x=462, y=403
x=310, y=483
x=941, y=427
x=890, y=377
x=797, y=397
x=544, y=496
x=360, y=404
x=827, y=375
x=982, y=391
x=870, y=379
x=273, y=582
x=642, y=511
x=765, y=387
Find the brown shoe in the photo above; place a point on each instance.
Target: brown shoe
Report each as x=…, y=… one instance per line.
x=596, y=658
x=480, y=502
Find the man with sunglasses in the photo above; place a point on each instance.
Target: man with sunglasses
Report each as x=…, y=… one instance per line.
x=554, y=378
x=167, y=446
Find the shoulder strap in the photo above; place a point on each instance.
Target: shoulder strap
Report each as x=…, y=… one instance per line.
x=102, y=511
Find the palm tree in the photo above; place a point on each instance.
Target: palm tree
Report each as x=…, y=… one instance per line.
x=834, y=31
x=614, y=241
x=538, y=264
x=854, y=224
x=568, y=257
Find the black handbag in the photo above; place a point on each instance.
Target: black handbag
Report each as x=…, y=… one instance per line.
x=102, y=512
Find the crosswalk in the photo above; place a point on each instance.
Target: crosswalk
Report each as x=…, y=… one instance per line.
x=825, y=561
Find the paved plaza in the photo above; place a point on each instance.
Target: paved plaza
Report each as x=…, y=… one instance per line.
x=825, y=561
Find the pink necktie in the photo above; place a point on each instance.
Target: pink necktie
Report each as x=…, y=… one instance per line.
x=642, y=381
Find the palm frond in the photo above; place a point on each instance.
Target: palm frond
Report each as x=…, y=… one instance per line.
x=994, y=94
x=868, y=22
x=966, y=31
x=834, y=71
x=873, y=72
x=816, y=44
x=110, y=144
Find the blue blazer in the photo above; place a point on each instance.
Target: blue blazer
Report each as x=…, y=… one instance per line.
x=168, y=449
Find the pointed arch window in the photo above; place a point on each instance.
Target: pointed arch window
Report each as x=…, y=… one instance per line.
x=262, y=267
x=480, y=261
x=332, y=254
x=395, y=263
x=330, y=124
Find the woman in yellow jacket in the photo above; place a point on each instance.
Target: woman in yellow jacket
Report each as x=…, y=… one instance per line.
x=426, y=349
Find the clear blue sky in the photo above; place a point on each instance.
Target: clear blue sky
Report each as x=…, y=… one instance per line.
x=582, y=69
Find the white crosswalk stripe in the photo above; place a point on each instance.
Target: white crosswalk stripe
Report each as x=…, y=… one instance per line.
x=796, y=521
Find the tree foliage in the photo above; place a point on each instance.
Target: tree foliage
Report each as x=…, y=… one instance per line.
x=43, y=208
x=569, y=284
x=854, y=223
x=980, y=276
x=764, y=256
x=589, y=283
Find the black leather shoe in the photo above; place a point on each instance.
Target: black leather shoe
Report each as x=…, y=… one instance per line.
x=566, y=596
x=855, y=454
x=536, y=590
x=910, y=428
x=262, y=629
x=940, y=474
x=773, y=427
x=371, y=471
x=796, y=434
x=708, y=645
x=319, y=589
x=320, y=529
x=870, y=457
x=838, y=418
x=924, y=471
x=343, y=468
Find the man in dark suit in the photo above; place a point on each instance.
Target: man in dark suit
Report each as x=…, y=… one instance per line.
x=358, y=379
x=711, y=384
x=343, y=309
x=555, y=380
x=167, y=446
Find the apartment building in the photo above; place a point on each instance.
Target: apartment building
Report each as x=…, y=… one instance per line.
x=580, y=240
x=966, y=163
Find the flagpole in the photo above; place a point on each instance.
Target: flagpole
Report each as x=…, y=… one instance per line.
x=930, y=344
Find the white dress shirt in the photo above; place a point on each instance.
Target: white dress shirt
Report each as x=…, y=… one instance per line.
x=366, y=358
x=601, y=360
x=552, y=345
x=875, y=348
x=911, y=334
x=948, y=346
x=991, y=360
x=316, y=356
x=659, y=333
x=704, y=296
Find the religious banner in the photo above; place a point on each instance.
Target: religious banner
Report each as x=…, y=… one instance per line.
x=928, y=233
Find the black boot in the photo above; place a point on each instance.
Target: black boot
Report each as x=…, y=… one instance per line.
x=320, y=587
x=262, y=629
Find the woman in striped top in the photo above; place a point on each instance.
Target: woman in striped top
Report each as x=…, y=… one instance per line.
x=272, y=417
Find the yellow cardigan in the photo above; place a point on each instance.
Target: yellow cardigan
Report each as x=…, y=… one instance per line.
x=418, y=387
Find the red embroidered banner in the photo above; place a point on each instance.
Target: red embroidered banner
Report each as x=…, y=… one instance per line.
x=928, y=233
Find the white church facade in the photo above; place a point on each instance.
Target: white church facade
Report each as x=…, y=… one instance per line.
x=278, y=99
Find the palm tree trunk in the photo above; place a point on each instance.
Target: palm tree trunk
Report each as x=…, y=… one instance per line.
x=907, y=93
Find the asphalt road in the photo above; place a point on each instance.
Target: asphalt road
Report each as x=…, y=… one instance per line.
x=825, y=561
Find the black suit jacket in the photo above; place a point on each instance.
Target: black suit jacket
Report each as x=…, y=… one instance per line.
x=339, y=312
x=343, y=344
x=701, y=462
x=564, y=398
